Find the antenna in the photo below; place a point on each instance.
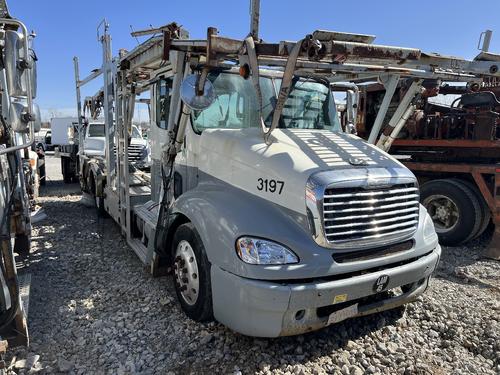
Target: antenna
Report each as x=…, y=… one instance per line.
x=254, y=19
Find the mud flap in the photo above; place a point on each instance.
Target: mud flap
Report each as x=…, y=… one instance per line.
x=493, y=250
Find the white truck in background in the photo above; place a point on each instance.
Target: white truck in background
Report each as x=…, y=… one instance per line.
x=61, y=130
x=66, y=138
x=64, y=141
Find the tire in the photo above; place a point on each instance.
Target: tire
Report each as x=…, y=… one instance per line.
x=485, y=209
x=22, y=245
x=65, y=171
x=190, y=265
x=99, y=205
x=454, y=208
x=99, y=201
x=43, y=176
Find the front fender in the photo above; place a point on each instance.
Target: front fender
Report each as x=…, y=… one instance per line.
x=222, y=214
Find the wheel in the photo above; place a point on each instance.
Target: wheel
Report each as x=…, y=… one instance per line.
x=99, y=201
x=485, y=210
x=22, y=244
x=454, y=208
x=192, y=274
x=65, y=171
x=99, y=205
x=42, y=174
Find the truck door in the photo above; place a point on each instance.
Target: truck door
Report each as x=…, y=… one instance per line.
x=161, y=95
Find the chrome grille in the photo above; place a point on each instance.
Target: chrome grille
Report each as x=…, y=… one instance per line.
x=378, y=215
x=134, y=152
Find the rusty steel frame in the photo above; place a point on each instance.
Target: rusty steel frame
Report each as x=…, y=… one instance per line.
x=455, y=143
x=337, y=59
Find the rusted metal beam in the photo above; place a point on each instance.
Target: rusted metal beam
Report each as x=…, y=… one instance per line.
x=485, y=191
x=452, y=168
x=462, y=143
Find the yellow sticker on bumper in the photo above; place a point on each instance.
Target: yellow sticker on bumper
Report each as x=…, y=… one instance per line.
x=340, y=298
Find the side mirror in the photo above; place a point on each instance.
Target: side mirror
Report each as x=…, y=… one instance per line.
x=191, y=98
x=18, y=66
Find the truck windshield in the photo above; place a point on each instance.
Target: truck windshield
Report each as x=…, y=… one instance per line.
x=96, y=130
x=136, y=133
x=310, y=104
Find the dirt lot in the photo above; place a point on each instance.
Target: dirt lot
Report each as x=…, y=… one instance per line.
x=95, y=310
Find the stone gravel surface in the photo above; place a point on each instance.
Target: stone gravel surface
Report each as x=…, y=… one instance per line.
x=95, y=310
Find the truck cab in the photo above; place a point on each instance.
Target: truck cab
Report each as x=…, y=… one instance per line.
x=270, y=218
x=289, y=231
x=95, y=145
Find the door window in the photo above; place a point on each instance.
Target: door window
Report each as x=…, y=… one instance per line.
x=163, y=97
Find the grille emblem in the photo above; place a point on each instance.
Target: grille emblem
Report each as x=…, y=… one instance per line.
x=381, y=283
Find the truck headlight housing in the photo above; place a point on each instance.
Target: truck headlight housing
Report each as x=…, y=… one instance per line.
x=259, y=251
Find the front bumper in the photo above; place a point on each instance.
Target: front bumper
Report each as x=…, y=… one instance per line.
x=270, y=309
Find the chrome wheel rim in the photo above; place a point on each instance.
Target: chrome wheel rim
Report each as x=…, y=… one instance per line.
x=186, y=272
x=443, y=211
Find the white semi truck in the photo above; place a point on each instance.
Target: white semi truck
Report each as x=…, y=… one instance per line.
x=272, y=220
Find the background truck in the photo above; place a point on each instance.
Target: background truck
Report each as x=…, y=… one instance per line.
x=89, y=142
x=455, y=153
x=271, y=218
x=63, y=141
x=453, y=147
x=19, y=119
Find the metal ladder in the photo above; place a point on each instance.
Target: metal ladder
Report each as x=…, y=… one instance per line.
x=123, y=175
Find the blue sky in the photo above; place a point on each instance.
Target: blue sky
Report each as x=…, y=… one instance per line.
x=67, y=28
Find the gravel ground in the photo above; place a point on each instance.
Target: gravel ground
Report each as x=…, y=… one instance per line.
x=95, y=310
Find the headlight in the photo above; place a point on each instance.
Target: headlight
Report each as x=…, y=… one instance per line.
x=429, y=230
x=259, y=251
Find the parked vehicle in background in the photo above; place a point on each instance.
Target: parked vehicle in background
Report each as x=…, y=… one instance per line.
x=61, y=129
x=95, y=145
x=20, y=119
x=453, y=149
x=48, y=141
x=41, y=139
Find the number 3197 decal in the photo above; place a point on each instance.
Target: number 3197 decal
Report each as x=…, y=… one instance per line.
x=271, y=186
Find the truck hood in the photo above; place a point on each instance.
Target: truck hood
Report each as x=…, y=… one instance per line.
x=241, y=158
x=94, y=146
x=139, y=142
